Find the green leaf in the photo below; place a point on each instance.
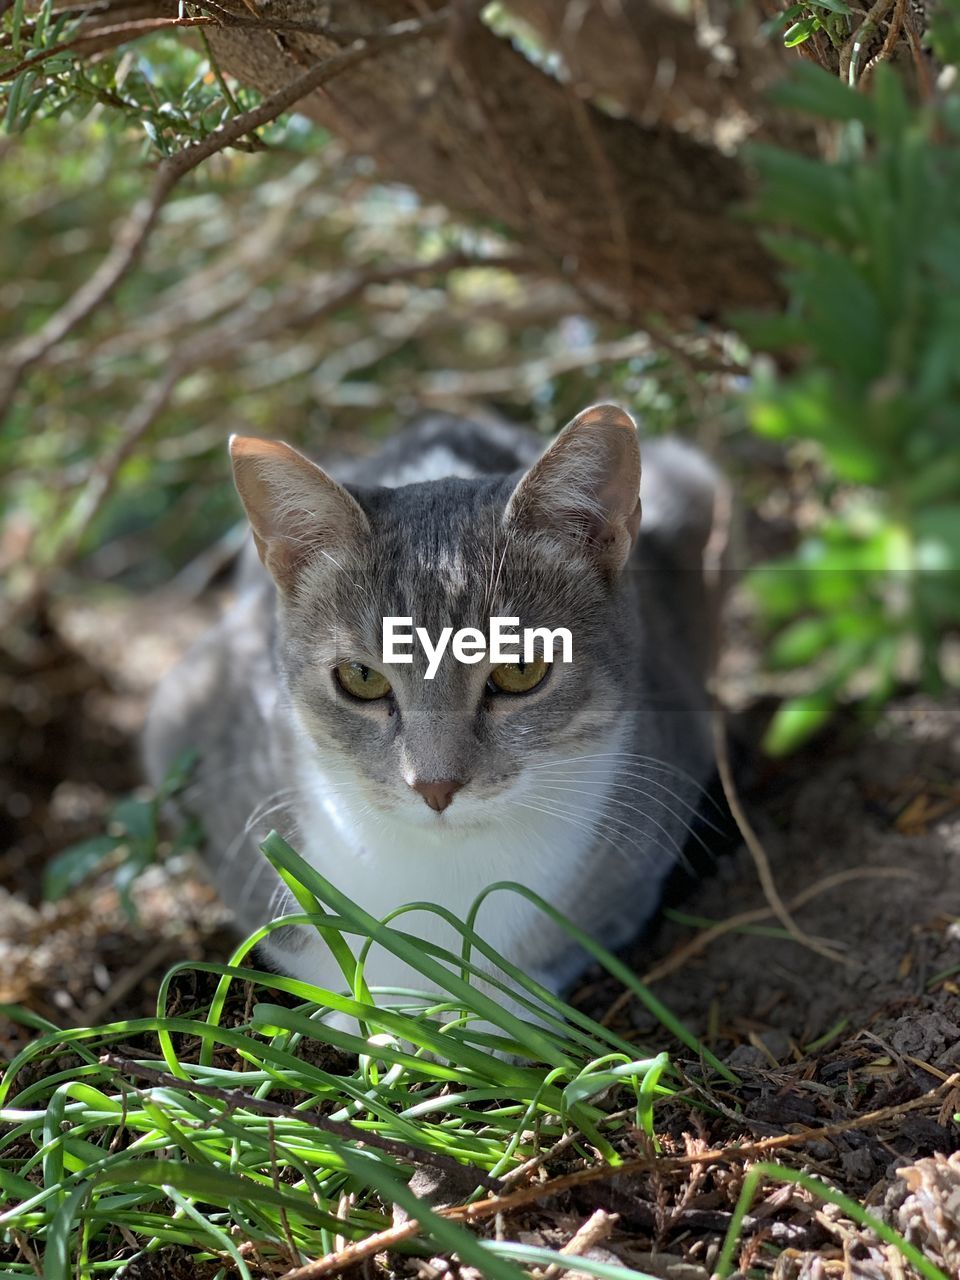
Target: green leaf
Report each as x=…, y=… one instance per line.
x=179, y=774
x=796, y=721
x=74, y=865
x=15, y=27
x=137, y=817
x=216, y=1186
x=800, y=31
x=801, y=642
x=803, y=192
x=18, y=89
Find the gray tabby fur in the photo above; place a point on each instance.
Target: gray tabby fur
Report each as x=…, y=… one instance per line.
x=583, y=790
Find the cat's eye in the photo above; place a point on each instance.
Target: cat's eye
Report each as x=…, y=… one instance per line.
x=362, y=681
x=518, y=677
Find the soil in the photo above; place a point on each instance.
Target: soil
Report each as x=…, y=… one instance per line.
x=862, y=830
x=867, y=828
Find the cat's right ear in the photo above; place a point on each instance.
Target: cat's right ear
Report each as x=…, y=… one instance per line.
x=295, y=509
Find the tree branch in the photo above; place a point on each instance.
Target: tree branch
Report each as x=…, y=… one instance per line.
x=135, y=232
x=119, y=33
x=474, y=124
x=644, y=56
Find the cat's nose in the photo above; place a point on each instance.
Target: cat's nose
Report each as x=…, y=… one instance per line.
x=437, y=794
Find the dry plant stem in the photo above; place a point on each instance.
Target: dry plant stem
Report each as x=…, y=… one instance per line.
x=705, y=939
x=696, y=946
x=714, y=566
x=607, y=182
x=523, y=1171
x=596, y=1228
x=334, y=1263
x=889, y=44
x=26, y=1251
x=757, y=851
x=134, y=234
x=275, y=1179
x=236, y=1099
x=921, y=65
x=855, y=41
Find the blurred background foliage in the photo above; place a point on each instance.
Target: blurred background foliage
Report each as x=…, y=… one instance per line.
x=288, y=292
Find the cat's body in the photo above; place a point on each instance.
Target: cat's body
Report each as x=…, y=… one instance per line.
x=583, y=789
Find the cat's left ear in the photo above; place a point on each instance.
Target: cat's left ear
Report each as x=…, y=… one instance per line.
x=585, y=490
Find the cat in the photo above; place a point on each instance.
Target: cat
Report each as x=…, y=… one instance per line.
x=581, y=786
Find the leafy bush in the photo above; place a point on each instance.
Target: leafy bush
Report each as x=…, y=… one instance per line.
x=871, y=245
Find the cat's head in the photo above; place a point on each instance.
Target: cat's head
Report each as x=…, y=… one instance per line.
x=547, y=546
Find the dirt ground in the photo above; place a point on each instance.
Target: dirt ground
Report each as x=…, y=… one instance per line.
x=862, y=830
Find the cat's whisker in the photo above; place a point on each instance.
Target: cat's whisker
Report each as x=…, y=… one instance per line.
x=623, y=843
x=488, y=596
x=263, y=808
x=622, y=756
x=553, y=812
x=507, y=535
x=574, y=817
x=562, y=781
x=607, y=815
x=632, y=757
x=256, y=818
x=611, y=801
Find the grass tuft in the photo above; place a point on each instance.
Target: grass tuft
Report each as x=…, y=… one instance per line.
x=260, y=1138
x=250, y=1139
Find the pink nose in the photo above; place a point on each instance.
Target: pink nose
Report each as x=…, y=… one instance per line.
x=437, y=794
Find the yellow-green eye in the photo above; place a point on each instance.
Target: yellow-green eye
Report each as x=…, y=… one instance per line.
x=518, y=677
x=362, y=682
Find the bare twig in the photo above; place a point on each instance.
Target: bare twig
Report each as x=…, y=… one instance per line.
x=714, y=565
x=122, y=30
x=854, y=43
x=275, y=1179
x=596, y=1228
x=703, y=940
x=208, y=349
x=236, y=1099
x=886, y=52
x=608, y=184
x=136, y=230
x=354, y=1252
x=26, y=1250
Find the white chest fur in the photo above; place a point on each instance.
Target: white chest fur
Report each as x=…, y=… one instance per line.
x=383, y=861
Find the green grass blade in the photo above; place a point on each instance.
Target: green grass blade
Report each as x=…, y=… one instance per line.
x=615, y=967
